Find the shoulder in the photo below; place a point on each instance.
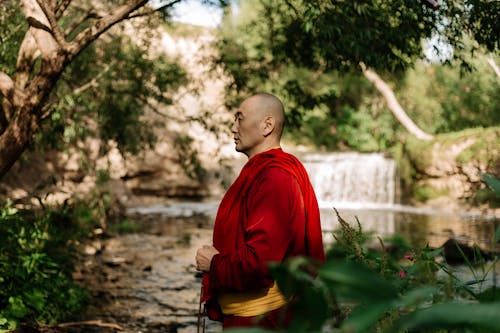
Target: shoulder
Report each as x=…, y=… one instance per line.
x=276, y=173
x=276, y=179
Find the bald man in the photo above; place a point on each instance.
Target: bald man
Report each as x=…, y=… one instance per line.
x=269, y=213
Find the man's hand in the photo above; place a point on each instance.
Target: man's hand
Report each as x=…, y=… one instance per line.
x=204, y=257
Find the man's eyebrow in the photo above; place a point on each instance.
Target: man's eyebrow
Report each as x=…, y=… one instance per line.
x=238, y=114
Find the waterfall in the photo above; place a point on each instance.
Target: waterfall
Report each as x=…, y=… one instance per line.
x=352, y=179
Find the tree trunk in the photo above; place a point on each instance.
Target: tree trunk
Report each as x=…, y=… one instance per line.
x=394, y=105
x=14, y=140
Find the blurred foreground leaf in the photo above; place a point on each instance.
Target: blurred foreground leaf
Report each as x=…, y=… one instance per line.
x=452, y=315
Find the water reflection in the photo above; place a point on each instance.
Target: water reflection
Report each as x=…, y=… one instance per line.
x=419, y=227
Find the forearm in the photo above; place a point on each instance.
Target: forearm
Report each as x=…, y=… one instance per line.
x=241, y=270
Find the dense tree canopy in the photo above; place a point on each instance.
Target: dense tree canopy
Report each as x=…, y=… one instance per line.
x=45, y=41
x=310, y=52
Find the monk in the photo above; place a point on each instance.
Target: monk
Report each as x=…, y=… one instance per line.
x=269, y=213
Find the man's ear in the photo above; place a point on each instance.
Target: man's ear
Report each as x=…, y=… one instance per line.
x=269, y=125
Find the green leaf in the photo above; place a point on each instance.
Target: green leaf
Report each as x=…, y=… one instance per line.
x=16, y=307
x=356, y=282
x=36, y=299
x=452, y=315
x=497, y=236
x=493, y=183
x=364, y=317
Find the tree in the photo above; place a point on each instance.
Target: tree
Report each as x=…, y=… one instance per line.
x=53, y=40
x=393, y=103
x=331, y=37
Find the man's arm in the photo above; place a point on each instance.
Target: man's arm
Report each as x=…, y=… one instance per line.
x=272, y=204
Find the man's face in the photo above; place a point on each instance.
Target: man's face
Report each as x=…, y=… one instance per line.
x=246, y=128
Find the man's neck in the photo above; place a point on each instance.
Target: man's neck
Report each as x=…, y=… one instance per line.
x=264, y=149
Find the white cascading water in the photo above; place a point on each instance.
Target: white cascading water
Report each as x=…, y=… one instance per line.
x=352, y=179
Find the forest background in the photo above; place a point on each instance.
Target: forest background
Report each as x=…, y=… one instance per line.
x=72, y=105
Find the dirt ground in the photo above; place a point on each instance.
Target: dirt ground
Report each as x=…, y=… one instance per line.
x=145, y=281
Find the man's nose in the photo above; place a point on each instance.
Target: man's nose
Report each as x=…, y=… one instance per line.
x=234, y=129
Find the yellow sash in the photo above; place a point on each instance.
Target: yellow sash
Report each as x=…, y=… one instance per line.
x=254, y=303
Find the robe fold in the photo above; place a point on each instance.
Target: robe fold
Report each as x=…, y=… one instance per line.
x=268, y=214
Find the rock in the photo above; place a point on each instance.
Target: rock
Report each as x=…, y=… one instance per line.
x=458, y=253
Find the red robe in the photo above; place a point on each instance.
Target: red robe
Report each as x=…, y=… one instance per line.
x=268, y=214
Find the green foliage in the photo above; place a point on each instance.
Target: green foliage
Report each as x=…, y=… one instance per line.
x=105, y=93
x=471, y=149
x=307, y=53
x=13, y=26
x=461, y=317
x=188, y=157
x=493, y=183
x=125, y=226
x=36, y=260
x=442, y=100
x=426, y=192
x=354, y=292
x=490, y=194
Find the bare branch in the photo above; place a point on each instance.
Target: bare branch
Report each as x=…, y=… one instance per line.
x=93, y=82
x=393, y=103
x=149, y=12
x=98, y=323
x=170, y=4
x=74, y=25
x=90, y=34
x=493, y=65
x=44, y=38
x=7, y=87
x=35, y=23
x=55, y=29
x=61, y=7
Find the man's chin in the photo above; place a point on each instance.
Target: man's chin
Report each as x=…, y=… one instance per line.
x=239, y=149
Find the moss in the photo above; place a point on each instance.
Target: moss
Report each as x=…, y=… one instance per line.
x=426, y=192
x=419, y=152
x=485, y=149
x=479, y=147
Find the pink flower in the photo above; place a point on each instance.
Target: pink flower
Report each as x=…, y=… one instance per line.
x=402, y=273
x=409, y=256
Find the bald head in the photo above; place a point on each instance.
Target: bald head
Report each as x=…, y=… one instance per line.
x=264, y=105
x=258, y=124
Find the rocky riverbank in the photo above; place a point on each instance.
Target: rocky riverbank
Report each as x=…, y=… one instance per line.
x=145, y=281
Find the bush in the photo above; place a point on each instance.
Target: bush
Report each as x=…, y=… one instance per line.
x=37, y=252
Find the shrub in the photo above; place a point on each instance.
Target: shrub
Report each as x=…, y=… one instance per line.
x=363, y=290
x=37, y=251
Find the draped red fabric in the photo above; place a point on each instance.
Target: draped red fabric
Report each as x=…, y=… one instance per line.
x=228, y=230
